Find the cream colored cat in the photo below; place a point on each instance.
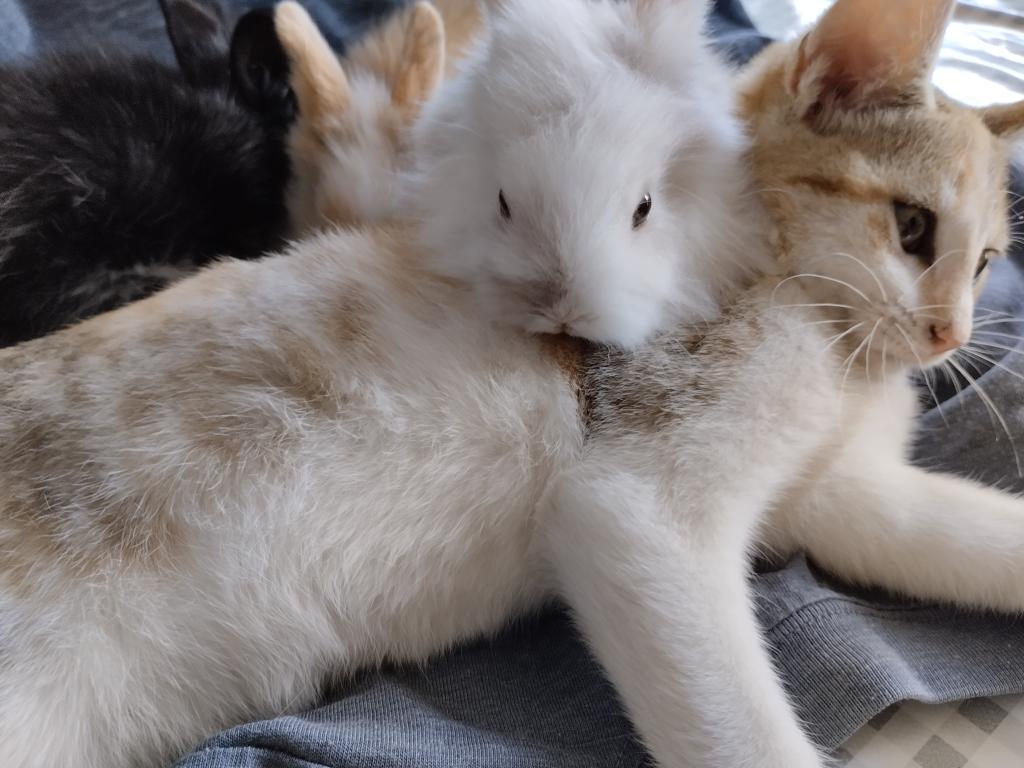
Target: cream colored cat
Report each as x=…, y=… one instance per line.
x=276, y=471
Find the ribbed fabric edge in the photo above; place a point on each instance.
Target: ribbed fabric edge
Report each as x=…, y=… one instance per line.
x=844, y=662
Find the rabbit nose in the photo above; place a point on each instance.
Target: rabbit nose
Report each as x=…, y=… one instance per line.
x=944, y=338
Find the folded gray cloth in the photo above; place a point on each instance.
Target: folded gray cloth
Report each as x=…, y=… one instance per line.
x=533, y=697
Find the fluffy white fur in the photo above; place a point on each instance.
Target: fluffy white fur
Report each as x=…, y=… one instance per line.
x=281, y=539
x=575, y=110
x=285, y=470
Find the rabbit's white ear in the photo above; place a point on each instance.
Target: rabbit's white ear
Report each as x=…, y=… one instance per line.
x=317, y=78
x=422, y=65
x=868, y=53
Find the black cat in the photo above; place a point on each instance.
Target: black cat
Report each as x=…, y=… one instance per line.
x=119, y=174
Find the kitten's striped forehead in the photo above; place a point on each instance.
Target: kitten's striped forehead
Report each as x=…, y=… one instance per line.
x=940, y=155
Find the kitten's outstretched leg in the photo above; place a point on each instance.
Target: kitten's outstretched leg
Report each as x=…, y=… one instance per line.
x=923, y=534
x=669, y=616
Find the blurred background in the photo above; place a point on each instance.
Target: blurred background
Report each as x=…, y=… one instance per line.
x=983, y=61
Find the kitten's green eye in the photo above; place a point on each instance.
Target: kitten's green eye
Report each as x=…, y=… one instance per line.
x=916, y=226
x=642, y=211
x=503, y=209
x=986, y=257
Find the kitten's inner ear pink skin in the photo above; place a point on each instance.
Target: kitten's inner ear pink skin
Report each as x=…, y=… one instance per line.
x=869, y=53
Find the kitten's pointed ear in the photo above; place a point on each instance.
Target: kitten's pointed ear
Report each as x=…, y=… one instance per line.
x=868, y=53
x=199, y=39
x=259, y=67
x=1005, y=120
x=422, y=63
x=317, y=78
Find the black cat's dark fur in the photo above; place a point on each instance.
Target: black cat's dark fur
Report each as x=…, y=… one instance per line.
x=119, y=174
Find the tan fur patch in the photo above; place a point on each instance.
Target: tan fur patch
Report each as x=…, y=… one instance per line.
x=49, y=519
x=422, y=58
x=570, y=355
x=317, y=78
x=840, y=187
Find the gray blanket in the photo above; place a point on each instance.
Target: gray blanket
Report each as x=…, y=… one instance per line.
x=533, y=698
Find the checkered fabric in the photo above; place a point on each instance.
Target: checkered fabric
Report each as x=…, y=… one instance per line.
x=980, y=733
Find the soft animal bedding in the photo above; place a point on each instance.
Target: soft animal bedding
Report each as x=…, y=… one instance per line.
x=533, y=697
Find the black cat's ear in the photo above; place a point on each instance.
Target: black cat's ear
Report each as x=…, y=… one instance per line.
x=196, y=29
x=259, y=66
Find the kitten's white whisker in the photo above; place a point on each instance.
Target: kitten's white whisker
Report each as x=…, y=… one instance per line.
x=992, y=410
x=1001, y=321
x=823, y=322
x=799, y=306
x=934, y=264
x=839, y=337
x=867, y=353
x=869, y=270
x=924, y=371
x=820, y=277
x=990, y=313
x=967, y=350
x=1013, y=336
x=955, y=380
x=993, y=345
x=885, y=371
x=853, y=357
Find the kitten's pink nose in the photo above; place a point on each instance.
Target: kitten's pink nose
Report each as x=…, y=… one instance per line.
x=944, y=339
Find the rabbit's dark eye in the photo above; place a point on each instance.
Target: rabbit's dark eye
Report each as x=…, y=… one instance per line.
x=986, y=257
x=642, y=211
x=503, y=209
x=916, y=226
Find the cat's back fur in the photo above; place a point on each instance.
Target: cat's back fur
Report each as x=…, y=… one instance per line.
x=328, y=513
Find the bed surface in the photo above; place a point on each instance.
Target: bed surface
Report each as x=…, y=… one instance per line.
x=979, y=733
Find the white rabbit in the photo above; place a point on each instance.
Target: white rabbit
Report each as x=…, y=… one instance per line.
x=583, y=174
